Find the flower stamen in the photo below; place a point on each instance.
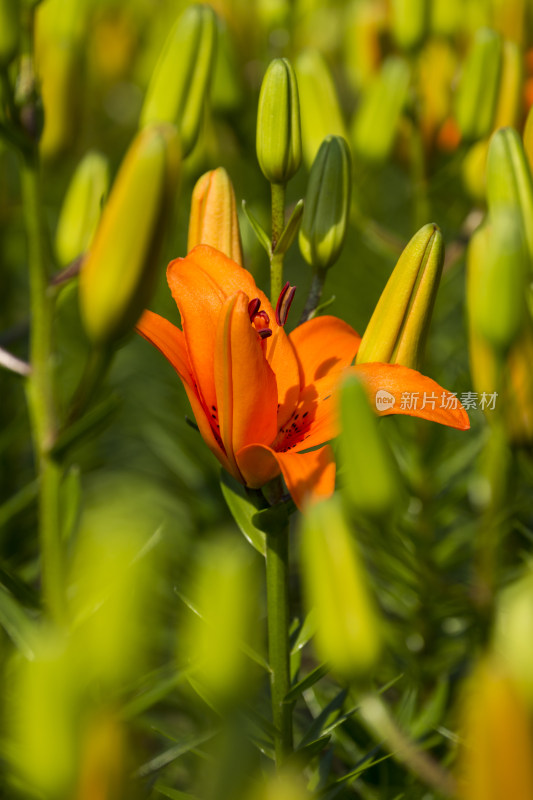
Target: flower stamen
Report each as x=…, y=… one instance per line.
x=283, y=305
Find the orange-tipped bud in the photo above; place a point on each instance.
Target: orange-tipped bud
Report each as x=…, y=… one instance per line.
x=213, y=218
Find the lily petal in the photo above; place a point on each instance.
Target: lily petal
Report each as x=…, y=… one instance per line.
x=324, y=345
x=246, y=388
x=309, y=476
x=170, y=341
x=407, y=385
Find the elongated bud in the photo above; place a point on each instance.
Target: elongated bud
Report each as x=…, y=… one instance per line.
x=320, y=109
x=477, y=94
x=348, y=635
x=213, y=218
x=509, y=102
x=377, y=118
x=509, y=183
x=446, y=16
x=180, y=82
x=278, y=139
x=409, y=21
x=498, y=307
x=513, y=633
x=528, y=138
x=116, y=279
x=370, y=476
x=327, y=204
x=82, y=207
x=9, y=31
x=496, y=759
x=364, y=25
x=398, y=327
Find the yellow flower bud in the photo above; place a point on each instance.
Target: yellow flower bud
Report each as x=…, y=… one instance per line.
x=377, y=119
x=116, y=279
x=82, y=207
x=477, y=93
x=495, y=761
x=513, y=633
x=409, y=20
x=348, y=634
x=320, y=111
x=213, y=219
x=528, y=138
x=278, y=139
x=180, y=82
x=362, y=41
x=9, y=31
x=398, y=327
x=327, y=204
x=509, y=103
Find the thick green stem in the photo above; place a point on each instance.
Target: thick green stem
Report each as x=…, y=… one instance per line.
x=41, y=390
x=315, y=293
x=278, y=224
x=277, y=575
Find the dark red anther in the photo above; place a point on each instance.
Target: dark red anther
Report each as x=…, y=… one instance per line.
x=264, y=333
x=284, y=303
x=264, y=316
x=253, y=307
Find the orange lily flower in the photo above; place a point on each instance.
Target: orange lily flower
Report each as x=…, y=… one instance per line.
x=262, y=398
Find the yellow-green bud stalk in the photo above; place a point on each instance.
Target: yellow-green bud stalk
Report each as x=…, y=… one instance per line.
x=180, y=82
x=327, y=204
x=213, y=219
x=82, y=207
x=377, y=118
x=116, y=279
x=495, y=760
x=348, y=632
x=278, y=138
x=409, y=21
x=498, y=307
x=9, y=31
x=320, y=110
x=370, y=477
x=509, y=182
x=477, y=94
x=398, y=327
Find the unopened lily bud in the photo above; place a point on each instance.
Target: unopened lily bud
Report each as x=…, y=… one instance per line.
x=348, y=631
x=508, y=106
x=528, y=138
x=509, y=182
x=213, y=218
x=362, y=43
x=409, y=20
x=117, y=277
x=377, y=118
x=180, y=82
x=513, y=633
x=327, y=204
x=498, y=308
x=477, y=94
x=370, y=476
x=82, y=207
x=9, y=31
x=320, y=109
x=278, y=138
x=398, y=328
x=446, y=16
x=496, y=758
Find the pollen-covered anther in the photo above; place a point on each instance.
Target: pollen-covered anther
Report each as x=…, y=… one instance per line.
x=284, y=303
x=259, y=319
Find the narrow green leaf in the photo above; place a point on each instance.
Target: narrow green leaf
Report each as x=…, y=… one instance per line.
x=170, y=755
x=166, y=791
x=70, y=502
x=243, y=510
x=431, y=714
x=306, y=632
x=325, y=719
x=306, y=683
x=17, y=624
x=262, y=236
x=20, y=590
x=290, y=230
x=18, y=502
x=86, y=426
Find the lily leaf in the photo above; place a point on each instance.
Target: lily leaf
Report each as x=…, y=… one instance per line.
x=17, y=624
x=163, y=759
x=328, y=717
x=174, y=794
x=244, y=511
x=95, y=419
x=262, y=236
x=290, y=230
x=313, y=677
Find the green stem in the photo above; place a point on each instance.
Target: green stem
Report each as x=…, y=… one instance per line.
x=277, y=578
x=278, y=224
x=40, y=389
x=315, y=293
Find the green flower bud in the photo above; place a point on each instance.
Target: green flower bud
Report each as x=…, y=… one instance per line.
x=377, y=118
x=320, y=110
x=477, y=94
x=446, y=17
x=498, y=308
x=397, y=330
x=513, y=633
x=278, y=139
x=409, y=22
x=370, y=475
x=509, y=183
x=181, y=79
x=348, y=635
x=9, y=31
x=509, y=103
x=82, y=207
x=116, y=278
x=327, y=204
